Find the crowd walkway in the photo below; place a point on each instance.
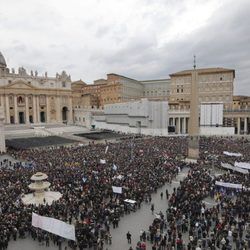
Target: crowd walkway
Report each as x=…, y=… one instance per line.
x=142, y=218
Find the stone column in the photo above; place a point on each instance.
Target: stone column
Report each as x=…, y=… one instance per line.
x=38, y=109
x=58, y=110
x=2, y=106
x=2, y=135
x=175, y=124
x=184, y=125
x=47, y=109
x=1, y=101
x=245, y=125
x=27, y=110
x=15, y=110
x=170, y=121
x=7, y=109
x=238, y=126
x=34, y=109
x=179, y=125
x=70, y=118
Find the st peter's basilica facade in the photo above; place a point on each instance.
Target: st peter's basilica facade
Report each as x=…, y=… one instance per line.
x=27, y=98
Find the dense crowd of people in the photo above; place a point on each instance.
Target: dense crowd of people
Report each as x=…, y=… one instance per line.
x=86, y=184
x=140, y=167
x=226, y=224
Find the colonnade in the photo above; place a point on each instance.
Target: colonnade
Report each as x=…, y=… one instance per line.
x=180, y=123
x=242, y=124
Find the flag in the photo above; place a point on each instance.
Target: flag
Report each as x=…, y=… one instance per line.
x=117, y=190
x=114, y=167
x=130, y=201
x=106, y=149
x=119, y=177
x=54, y=226
x=102, y=161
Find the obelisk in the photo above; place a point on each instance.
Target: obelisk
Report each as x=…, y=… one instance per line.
x=2, y=135
x=193, y=126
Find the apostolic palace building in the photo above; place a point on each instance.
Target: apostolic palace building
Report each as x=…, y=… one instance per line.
x=30, y=98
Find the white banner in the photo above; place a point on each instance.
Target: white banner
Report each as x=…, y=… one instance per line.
x=102, y=161
x=245, y=165
x=117, y=190
x=130, y=201
x=232, y=154
x=237, y=169
x=106, y=149
x=228, y=184
x=54, y=226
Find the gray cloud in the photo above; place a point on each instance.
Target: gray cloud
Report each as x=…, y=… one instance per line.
x=224, y=42
x=133, y=38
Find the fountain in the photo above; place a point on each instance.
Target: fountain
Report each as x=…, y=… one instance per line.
x=41, y=194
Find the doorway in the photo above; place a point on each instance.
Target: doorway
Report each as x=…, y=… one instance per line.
x=21, y=118
x=12, y=120
x=31, y=119
x=42, y=116
x=64, y=114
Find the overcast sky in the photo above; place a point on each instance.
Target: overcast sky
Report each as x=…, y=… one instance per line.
x=141, y=39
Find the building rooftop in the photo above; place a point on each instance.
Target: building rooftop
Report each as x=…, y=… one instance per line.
x=79, y=82
x=123, y=77
x=155, y=80
x=203, y=71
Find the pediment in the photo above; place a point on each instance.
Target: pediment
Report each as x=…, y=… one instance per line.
x=20, y=85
